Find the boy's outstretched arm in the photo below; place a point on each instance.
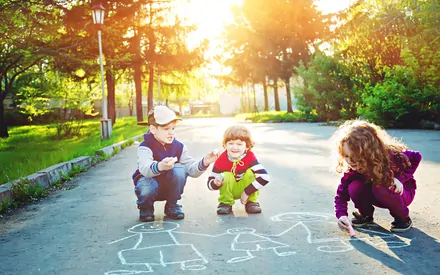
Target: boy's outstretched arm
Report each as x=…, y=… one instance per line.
x=195, y=168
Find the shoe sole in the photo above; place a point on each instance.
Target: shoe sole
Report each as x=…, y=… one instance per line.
x=401, y=230
x=224, y=213
x=175, y=218
x=254, y=212
x=146, y=219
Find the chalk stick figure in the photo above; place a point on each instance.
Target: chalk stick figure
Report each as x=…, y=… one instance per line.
x=248, y=241
x=162, y=249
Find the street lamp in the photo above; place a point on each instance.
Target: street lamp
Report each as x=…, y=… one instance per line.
x=98, y=12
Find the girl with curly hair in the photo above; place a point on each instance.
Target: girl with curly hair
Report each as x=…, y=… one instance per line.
x=378, y=170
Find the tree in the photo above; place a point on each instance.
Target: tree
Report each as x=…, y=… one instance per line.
x=30, y=34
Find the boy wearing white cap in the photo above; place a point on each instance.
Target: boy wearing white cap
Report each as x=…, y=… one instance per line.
x=163, y=166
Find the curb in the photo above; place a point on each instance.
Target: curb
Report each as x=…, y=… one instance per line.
x=54, y=174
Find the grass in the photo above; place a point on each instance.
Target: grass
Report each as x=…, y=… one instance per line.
x=32, y=148
x=278, y=116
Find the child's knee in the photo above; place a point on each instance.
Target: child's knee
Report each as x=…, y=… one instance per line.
x=178, y=171
x=358, y=189
x=146, y=187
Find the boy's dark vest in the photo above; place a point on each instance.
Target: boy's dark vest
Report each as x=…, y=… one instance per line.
x=160, y=151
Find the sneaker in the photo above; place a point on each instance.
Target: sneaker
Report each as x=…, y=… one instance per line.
x=400, y=226
x=252, y=207
x=224, y=209
x=146, y=214
x=359, y=220
x=174, y=211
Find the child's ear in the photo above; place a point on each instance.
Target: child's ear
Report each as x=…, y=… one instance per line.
x=153, y=129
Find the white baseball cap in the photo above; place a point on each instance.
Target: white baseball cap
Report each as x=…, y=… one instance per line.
x=161, y=115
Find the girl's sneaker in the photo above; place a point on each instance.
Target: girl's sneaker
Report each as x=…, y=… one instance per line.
x=400, y=226
x=359, y=220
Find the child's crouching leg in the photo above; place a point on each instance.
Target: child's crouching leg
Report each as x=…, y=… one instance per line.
x=146, y=190
x=362, y=197
x=389, y=199
x=227, y=189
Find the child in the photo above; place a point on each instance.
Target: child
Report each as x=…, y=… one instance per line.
x=163, y=166
x=237, y=172
x=378, y=170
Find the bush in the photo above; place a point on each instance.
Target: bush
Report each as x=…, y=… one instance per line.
x=15, y=118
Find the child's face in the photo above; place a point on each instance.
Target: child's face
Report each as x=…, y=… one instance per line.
x=349, y=157
x=235, y=148
x=164, y=134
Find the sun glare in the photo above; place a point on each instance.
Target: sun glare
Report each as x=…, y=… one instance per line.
x=211, y=16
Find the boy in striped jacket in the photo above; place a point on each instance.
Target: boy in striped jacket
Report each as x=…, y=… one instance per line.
x=237, y=174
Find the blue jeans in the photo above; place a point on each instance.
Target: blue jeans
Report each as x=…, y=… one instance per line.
x=168, y=186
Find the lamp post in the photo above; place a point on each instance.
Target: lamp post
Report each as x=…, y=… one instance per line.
x=98, y=12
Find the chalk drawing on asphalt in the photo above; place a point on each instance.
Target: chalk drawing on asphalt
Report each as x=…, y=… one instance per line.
x=337, y=244
x=168, y=252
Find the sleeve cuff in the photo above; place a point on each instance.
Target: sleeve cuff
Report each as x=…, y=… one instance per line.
x=250, y=189
x=340, y=214
x=201, y=166
x=212, y=186
x=155, y=168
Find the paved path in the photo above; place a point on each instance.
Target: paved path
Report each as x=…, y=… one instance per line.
x=93, y=228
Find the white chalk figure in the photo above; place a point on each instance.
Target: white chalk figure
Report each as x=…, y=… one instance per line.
x=336, y=244
x=248, y=241
x=160, y=249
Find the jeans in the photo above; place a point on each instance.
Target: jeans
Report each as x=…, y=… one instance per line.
x=168, y=186
x=364, y=196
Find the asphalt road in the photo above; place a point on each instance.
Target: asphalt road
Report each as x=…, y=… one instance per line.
x=92, y=227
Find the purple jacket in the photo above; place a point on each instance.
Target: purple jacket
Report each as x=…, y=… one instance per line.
x=405, y=176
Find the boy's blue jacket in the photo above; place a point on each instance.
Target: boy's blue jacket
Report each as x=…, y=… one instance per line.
x=151, y=152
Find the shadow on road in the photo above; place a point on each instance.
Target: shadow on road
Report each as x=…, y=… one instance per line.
x=419, y=257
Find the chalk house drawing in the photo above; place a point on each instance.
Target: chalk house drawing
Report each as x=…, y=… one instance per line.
x=169, y=252
x=337, y=244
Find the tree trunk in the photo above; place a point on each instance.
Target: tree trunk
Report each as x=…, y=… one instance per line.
x=288, y=95
x=3, y=128
x=255, y=98
x=138, y=80
x=266, y=98
x=150, y=87
x=111, y=107
x=275, y=95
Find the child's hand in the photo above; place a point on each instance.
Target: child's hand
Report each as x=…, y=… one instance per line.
x=167, y=163
x=244, y=198
x=345, y=224
x=210, y=157
x=218, y=182
x=398, y=186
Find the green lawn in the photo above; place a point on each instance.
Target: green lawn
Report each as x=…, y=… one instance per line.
x=32, y=148
x=278, y=116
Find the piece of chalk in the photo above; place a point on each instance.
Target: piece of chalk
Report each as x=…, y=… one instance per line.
x=351, y=231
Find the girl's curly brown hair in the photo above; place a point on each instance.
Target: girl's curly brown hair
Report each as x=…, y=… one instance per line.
x=240, y=132
x=371, y=148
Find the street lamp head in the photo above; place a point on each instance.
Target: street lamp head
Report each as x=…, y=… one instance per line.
x=98, y=14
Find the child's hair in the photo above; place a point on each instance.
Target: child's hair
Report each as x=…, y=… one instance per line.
x=240, y=132
x=375, y=152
